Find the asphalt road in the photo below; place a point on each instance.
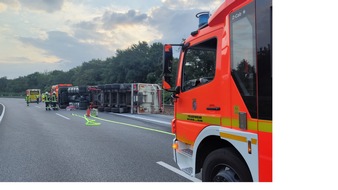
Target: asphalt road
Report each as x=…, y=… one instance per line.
x=57, y=146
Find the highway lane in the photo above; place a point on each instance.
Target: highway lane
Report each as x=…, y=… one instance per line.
x=56, y=146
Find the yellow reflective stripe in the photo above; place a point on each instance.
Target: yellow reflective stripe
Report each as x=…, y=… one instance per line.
x=233, y=137
x=181, y=116
x=199, y=118
x=252, y=125
x=212, y=120
x=265, y=126
x=255, y=125
x=235, y=123
x=226, y=121
x=253, y=141
x=260, y=125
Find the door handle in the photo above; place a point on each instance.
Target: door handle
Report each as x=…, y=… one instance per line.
x=214, y=108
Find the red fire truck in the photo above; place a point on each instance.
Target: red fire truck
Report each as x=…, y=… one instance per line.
x=223, y=94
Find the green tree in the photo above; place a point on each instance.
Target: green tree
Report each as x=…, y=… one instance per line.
x=140, y=63
x=3, y=84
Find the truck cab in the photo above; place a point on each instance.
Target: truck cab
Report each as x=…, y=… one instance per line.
x=223, y=94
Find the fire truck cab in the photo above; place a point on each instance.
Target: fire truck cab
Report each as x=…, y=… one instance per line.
x=223, y=94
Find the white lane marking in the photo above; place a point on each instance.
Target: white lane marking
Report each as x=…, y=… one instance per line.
x=38, y=106
x=62, y=116
x=3, y=112
x=153, y=120
x=179, y=172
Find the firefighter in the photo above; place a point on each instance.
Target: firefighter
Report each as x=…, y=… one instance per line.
x=27, y=99
x=47, y=101
x=43, y=97
x=54, y=101
x=37, y=99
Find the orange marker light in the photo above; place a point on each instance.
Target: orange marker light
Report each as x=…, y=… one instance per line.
x=249, y=147
x=175, y=146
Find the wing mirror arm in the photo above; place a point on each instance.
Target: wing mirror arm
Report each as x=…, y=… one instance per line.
x=176, y=92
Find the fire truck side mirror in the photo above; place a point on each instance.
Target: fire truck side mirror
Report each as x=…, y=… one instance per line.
x=167, y=66
x=168, y=59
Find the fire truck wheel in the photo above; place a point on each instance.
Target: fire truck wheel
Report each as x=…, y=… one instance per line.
x=223, y=165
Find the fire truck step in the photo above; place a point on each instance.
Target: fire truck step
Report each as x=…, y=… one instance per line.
x=187, y=152
x=187, y=170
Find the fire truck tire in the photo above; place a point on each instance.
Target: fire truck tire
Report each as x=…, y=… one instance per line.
x=223, y=165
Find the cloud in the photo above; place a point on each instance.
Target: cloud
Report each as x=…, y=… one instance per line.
x=205, y=5
x=14, y=70
x=5, y=4
x=86, y=31
x=87, y=25
x=3, y=7
x=43, y=5
x=115, y=30
x=63, y=34
x=174, y=25
x=68, y=49
x=40, y=5
x=112, y=19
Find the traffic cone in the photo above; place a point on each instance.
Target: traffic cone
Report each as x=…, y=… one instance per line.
x=88, y=112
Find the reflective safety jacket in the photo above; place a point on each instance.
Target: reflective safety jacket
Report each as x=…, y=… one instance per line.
x=54, y=99
x=47, y=98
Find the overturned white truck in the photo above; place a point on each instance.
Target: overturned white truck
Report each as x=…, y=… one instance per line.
x=129, y=98
x=117, y=97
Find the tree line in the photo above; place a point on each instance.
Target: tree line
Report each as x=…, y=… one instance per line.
x=140, y=63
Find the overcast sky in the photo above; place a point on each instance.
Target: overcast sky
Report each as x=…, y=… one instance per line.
x=47, y=35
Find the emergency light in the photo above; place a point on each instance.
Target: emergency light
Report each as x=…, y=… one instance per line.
x=203, y=18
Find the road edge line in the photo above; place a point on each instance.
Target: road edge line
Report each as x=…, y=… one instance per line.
x=3, y=112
